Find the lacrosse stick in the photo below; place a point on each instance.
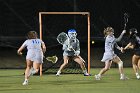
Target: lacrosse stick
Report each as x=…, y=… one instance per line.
x=126, y=16
x=63, y=38
x=52, y=59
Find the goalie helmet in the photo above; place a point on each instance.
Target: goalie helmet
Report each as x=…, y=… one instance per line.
x=72, y=34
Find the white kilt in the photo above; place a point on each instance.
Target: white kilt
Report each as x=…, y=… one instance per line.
x=108, y=56
x=35, y=56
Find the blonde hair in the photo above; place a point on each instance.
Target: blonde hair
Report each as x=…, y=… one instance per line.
x=108, y=29
x=32, y=35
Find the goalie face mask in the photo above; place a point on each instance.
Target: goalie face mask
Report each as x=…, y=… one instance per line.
x=72, y=34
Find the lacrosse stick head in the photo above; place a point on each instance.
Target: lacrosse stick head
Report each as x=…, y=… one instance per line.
x=62, y=38
x=52, y=59
x=126, y=16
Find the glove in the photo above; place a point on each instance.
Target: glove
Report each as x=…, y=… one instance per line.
x=77, y=53
x=124, y=31
x=122, y=49
x=70, y=48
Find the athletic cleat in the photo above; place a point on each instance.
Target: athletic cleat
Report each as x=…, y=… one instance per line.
x=86, y=74
x=97, y=77
x=138, y=76
x=123, y=78
x=25, y=82
x=58, y=73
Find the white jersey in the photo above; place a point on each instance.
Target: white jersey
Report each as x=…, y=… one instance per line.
x=109, y=48
x=75, y=45
x=34, y=50
x=109, y=43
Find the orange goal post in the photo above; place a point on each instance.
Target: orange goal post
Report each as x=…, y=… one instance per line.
x=68, y=13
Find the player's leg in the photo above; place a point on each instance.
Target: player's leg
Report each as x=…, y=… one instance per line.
x=120, y=66
x=28, y=67
x=103, y=70
x=135, y=66
x=36, y=67
x=138, y=76
x=66, y=59
x=81, y=62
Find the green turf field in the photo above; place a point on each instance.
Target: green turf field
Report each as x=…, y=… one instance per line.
x=11, y=82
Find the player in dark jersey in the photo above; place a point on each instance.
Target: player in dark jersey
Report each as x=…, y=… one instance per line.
x=134, y=43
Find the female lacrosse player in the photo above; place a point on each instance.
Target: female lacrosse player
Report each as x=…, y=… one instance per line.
x=109, y=55
x=135, y=45
x=72, y=51
x=34, y=57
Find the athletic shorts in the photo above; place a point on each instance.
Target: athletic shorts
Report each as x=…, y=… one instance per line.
x=35, y=56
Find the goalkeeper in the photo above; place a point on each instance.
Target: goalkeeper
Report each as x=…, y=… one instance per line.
x=72, y=51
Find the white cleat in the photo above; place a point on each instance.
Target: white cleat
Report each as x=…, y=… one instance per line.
x=58, y=73
x=86, y=74
x=123, y=78
x=97, y=77
x=138, y=76
x=31, y=72
x=25, y=82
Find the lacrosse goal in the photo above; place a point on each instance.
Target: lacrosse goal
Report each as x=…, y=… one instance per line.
x=48, y=29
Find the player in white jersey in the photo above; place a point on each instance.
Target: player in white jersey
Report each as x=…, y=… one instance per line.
x=109, y=55
x=34, y=57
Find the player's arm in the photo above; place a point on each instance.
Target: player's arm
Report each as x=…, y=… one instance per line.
x=138, y=39
x=43, y=47
x=129, y=46
x=19, y=51
x=118, y=47
x=121, y=35
x=77, y=51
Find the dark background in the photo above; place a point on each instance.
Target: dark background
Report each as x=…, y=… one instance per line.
x=17, y=17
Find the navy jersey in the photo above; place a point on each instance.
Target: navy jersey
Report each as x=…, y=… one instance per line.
x=134, y=42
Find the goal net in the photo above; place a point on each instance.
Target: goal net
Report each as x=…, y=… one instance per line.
x=53, y=23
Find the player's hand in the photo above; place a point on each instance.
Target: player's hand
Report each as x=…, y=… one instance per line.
x=124, y=31
x=19, y=53
x=77, y=53
x=122, y=50
x=70, y=48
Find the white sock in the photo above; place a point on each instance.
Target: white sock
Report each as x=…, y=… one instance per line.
x=99, y=75
x=26, y=79
x=34, y=71
x=85, y=71
x=137, y=74
x=121, y=75
x=59, y=71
